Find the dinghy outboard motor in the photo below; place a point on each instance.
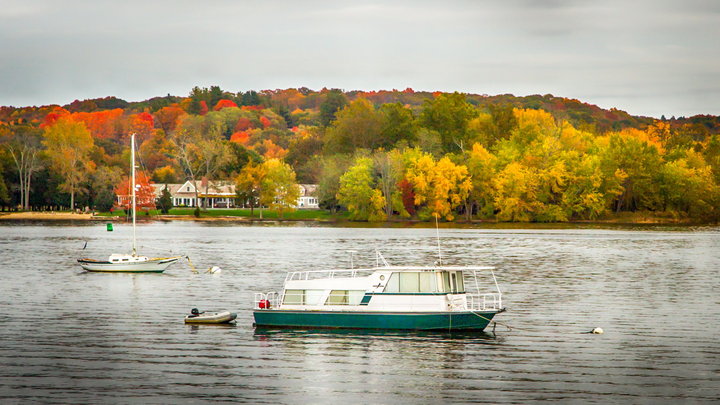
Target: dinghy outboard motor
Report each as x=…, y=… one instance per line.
x=194, y=312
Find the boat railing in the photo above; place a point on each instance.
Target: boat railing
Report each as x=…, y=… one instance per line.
x=267, y=300
x=362, y=272
x=484, y=302
x=318, y=274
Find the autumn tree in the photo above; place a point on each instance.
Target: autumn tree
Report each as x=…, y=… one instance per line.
x=481, y=167
x=439, y=186
x=144, y=191
x=515, y=189
x=248, y=184
x=279, y=189
x=24, y=146
x=68, y=144
x=389, y=170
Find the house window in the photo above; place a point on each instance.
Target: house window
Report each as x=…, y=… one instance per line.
x=188, y=188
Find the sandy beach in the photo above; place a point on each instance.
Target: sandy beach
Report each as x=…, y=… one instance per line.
x=43, y=215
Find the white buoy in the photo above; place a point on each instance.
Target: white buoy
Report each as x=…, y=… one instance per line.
x=214, y=270
x=597, y=331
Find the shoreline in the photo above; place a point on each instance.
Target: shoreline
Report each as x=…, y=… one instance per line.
x=638, y=220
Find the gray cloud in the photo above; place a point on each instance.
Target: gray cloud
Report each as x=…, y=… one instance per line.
x=646, y=57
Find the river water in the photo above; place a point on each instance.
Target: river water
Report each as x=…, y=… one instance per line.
x=69, y=336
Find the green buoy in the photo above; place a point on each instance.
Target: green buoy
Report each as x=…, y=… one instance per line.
x=109, y=227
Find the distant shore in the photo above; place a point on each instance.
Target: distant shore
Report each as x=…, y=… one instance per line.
x=323, y=217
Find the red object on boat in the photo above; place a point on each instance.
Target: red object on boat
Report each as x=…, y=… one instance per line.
x=264, y=304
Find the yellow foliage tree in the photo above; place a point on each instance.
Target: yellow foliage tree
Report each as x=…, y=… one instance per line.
x=515, y=189
x=440, y=186
x=68, y=146
x=279, y=189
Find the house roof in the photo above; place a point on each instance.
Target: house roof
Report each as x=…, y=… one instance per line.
x=217, y=188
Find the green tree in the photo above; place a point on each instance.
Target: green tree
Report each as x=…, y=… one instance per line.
x=164, y=203
x=357, y=194
x=4, y=195
x=334, y=101
x=68, y=145
x=332, y=168
x=397, y=124
x=102, y=187
x=449, y=115
x=356, y=126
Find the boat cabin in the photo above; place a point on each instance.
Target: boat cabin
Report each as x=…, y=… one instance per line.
x=120, y=258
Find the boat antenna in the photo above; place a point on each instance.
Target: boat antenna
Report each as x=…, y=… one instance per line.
x=437, y=235
x=132, y=164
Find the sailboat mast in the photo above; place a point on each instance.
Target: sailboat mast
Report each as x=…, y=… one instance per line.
x=132, y=164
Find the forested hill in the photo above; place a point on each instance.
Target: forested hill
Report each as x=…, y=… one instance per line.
x=376, y=154
x=579, y=114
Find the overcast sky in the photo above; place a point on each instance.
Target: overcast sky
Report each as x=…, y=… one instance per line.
x=649, y=57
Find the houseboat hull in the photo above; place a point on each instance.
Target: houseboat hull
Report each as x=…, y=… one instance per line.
x=456, y=320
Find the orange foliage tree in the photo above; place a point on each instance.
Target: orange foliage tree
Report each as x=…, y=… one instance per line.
x=169, y=117
x=240, y=137
x=144, y=192
x=224, y=104
x=102, y=124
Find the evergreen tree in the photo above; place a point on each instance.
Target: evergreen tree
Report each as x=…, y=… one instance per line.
x=164, y=203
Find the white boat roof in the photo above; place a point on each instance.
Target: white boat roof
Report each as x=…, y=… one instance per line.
x=402, y=268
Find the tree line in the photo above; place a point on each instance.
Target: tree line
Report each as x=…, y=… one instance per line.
x=435, y=155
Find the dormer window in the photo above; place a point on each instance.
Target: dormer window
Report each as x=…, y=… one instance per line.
x=188, y=188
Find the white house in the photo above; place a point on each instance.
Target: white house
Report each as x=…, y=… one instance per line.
x=217, y=194
x=308, y=197
x=221, y=194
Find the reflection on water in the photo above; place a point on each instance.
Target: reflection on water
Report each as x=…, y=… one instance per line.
x=76, y=337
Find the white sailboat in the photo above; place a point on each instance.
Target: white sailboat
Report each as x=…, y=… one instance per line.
x=130, y=263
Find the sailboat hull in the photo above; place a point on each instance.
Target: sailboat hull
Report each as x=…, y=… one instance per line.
x=147, y=266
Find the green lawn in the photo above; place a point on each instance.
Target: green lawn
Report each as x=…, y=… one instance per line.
x=267, y=214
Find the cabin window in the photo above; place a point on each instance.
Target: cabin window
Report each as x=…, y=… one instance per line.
x=124, y=260
x=428, y=282
x=446, y=281
x=460, y=283
x=345, y=297
x=337, y=297
x=393, y=284
x=412, y=282
x=453, y=282
x=294, y=297
x=409, y=282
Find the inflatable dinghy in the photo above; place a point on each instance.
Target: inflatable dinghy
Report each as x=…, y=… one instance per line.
x=210, y=317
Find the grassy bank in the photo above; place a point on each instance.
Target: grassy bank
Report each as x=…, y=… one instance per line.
x=298, y=215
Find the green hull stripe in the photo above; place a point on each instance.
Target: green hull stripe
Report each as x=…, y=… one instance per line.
x=374, y=320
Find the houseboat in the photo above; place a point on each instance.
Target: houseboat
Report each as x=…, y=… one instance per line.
x=382, y=297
